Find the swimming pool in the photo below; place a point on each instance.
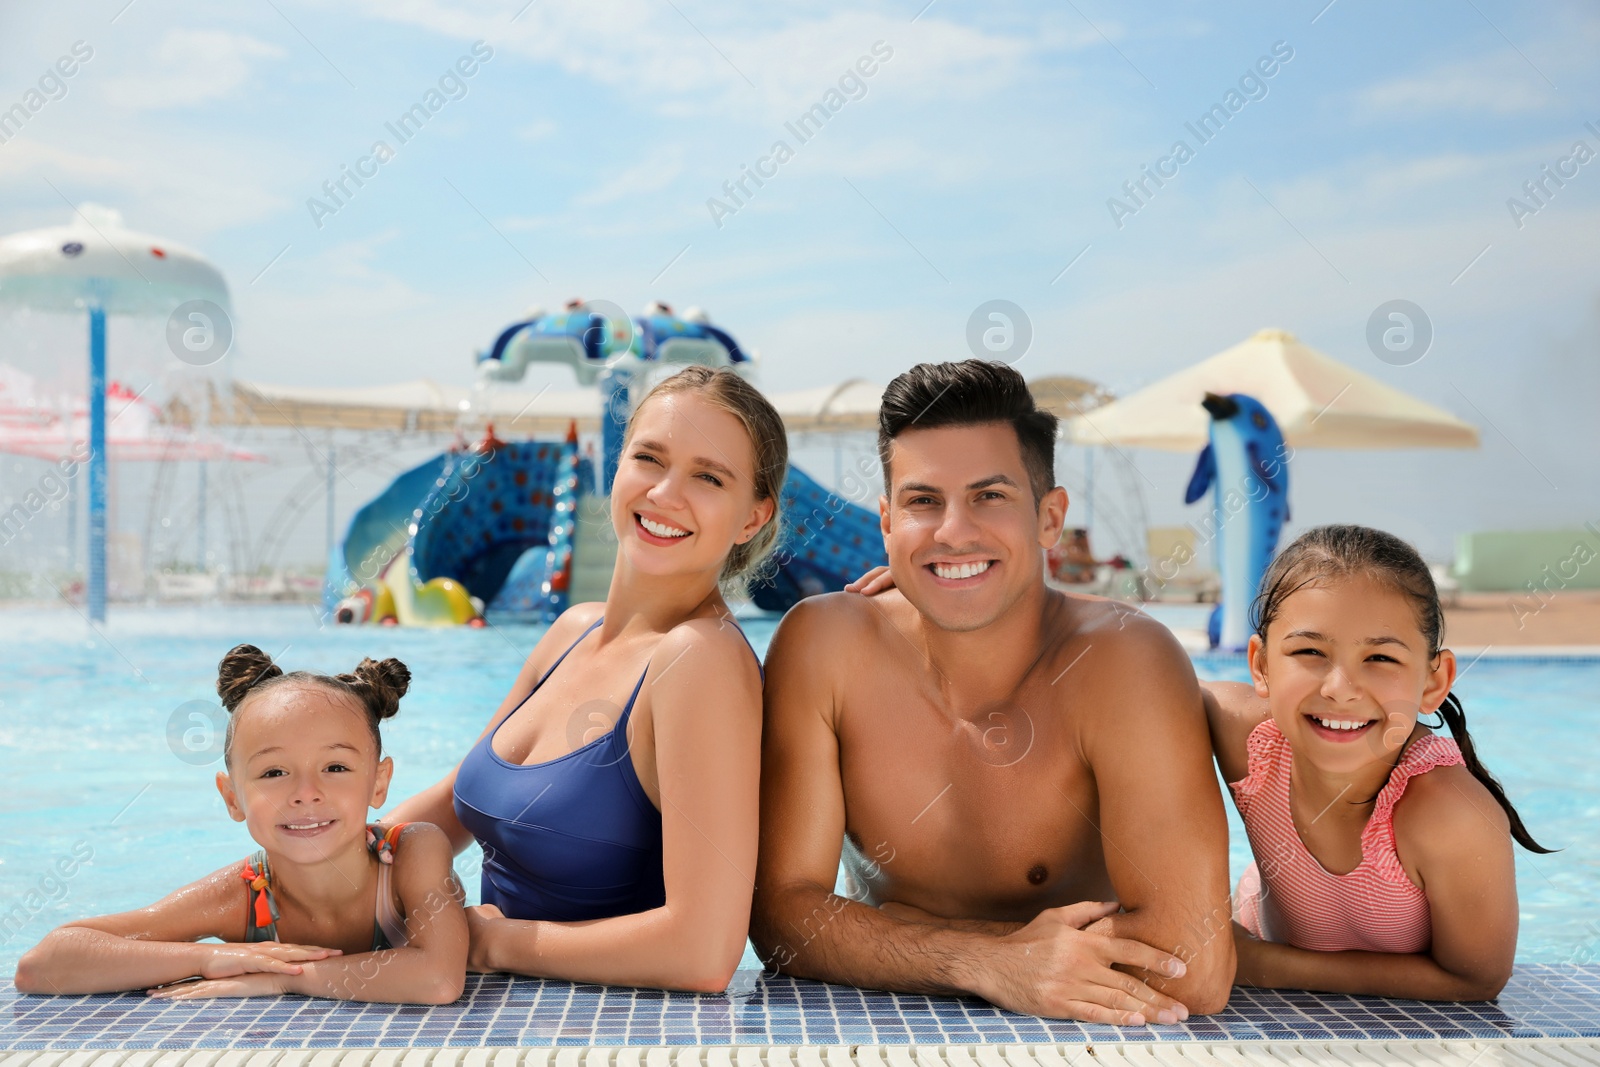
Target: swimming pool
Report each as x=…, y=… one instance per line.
x=100, y=755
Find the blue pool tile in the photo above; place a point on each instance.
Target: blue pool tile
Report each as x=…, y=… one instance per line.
x=496, y=1010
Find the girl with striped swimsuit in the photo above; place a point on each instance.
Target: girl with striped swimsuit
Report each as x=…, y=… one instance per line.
x=1383, y=861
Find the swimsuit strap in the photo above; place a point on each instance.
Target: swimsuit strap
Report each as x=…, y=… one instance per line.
x=383, y=847
x=388, y=928
x=263, y=909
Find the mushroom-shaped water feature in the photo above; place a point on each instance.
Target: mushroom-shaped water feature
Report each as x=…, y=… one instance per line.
x=94, y=264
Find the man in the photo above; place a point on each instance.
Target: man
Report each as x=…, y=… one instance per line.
x=1021, y=779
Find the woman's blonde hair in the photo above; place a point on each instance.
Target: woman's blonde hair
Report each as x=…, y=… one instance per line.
x=769, y=443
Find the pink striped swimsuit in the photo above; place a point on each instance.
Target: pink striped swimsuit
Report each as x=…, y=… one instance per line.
x=1288, y=897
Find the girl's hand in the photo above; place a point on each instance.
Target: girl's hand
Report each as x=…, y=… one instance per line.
x=479, y=920
x=247, y=985
x=875, y=581
x=228, y=961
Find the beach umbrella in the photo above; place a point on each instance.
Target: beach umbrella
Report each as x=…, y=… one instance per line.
x=95, y=265
x=1317, y=401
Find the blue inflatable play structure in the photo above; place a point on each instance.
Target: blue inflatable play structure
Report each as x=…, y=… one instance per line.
x=1245, y=465
x=520, y=527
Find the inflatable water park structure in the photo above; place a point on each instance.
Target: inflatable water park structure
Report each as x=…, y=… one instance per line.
x=524, y=527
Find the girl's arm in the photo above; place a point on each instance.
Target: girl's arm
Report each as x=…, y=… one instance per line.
x=1233, y=709
x=155, y=945
x=1455, y=838
x=430, y=969
x=705, y=699
x=436, y=804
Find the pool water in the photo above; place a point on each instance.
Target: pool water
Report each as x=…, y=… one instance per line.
x=109, y=802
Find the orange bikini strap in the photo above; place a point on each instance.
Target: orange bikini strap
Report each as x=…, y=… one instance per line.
x=266, y=909
x=384, y=846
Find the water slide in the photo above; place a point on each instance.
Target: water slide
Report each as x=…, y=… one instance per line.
x=519, y=527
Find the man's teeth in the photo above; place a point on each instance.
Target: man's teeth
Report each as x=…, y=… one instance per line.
x=661, y=529
x=309, y=825
x=1339, y=724
x=960, y=570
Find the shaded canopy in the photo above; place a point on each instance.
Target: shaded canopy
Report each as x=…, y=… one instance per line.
x=1317, y=401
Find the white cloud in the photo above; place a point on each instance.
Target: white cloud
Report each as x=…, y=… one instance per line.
x=1499, y=84
x=655, y=172
x=658, y=55
x=537, y=130
x=190, y=67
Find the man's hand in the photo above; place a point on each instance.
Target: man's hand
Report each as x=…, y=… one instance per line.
x=229, y=961
x=246, y=985
x=1052, y=967
x=480, y=921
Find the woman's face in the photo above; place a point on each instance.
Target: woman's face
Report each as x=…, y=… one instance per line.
x=685, y=488
x=1346, y=671
x=304, y=771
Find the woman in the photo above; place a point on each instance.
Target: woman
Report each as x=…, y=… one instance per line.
x=615, y=790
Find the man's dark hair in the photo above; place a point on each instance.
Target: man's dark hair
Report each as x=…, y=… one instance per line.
x=968, y=393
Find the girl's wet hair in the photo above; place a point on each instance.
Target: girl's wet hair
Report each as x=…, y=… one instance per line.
x=1329, y=553
x=376, y=686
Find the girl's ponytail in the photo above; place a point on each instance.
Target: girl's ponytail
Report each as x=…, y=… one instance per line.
x=1455, y=717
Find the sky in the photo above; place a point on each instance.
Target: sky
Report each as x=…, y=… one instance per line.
x=983, y=157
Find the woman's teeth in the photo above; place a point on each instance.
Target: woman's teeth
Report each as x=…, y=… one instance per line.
x=661, y=529
x=1339, y=724
x=960, y=570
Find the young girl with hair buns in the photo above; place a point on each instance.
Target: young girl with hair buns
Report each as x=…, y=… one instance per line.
x=328, y=907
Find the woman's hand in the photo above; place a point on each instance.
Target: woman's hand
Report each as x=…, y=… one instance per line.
x=480, y=925
x=877, y=580
x=245, y=985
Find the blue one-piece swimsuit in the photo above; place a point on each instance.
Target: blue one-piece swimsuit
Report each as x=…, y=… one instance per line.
x=572, y=838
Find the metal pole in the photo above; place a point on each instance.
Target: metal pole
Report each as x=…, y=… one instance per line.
x=97, y=463
x=72, y=527
x=1088, y=490
x=332, y=456
x=200, y=520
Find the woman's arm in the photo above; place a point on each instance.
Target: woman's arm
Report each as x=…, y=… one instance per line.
x=436, y=803
x=1455, y=839
x=430, y=969
x=155, y=945
x=705, y=701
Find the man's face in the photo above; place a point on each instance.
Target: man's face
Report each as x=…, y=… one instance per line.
x=960, y=525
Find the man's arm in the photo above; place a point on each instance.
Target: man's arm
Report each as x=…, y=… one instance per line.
x=1165, y=833
x=803, y=928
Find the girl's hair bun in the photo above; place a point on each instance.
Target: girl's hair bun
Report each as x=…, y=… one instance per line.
x=380, y=685
x=241, y=670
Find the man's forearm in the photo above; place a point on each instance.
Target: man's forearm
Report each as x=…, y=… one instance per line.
x=812, y=933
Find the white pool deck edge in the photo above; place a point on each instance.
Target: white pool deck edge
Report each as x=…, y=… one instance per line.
x=1468, y=1052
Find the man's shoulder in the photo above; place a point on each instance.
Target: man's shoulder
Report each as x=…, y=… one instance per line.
x=850, y=611
x=1110, y=625
x=823, y=626
x=1114, y=652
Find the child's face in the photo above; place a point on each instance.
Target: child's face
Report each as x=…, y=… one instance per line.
x=1346, y=671
x=304, y=771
